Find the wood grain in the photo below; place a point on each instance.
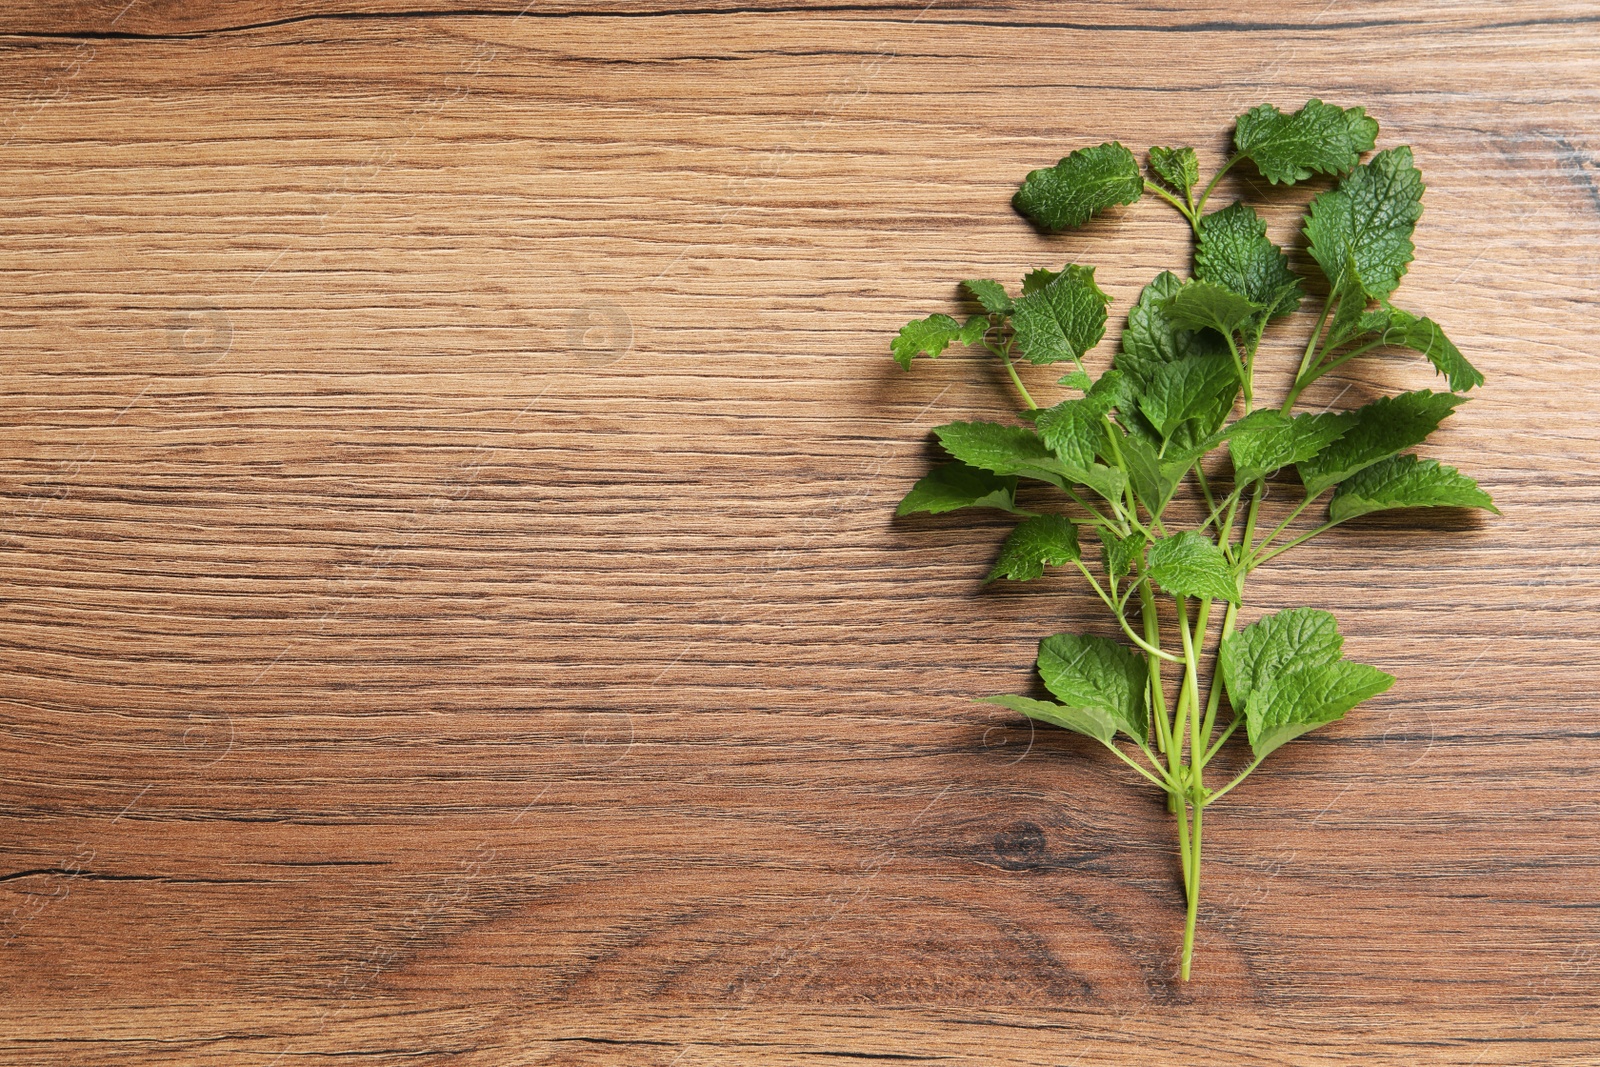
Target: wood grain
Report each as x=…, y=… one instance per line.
x=452, y=614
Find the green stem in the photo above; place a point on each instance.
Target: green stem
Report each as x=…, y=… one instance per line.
x=1100, y=592
x=1302, y=539
x=1245, y=374
x=1193, y=893
x=1200, y=205
x=1217, y=747
x=1152, y=633
x=1016, y=379
x=1219, y=794
x=1214, y=697
x=1183, y=209
x=1282, y=526
x=1164, y=782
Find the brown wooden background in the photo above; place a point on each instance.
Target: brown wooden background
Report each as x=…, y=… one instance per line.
x=452, y=614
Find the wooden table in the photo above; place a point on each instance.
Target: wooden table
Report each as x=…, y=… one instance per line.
x=452, y=612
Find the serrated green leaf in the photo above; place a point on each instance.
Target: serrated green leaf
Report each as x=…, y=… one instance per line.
x=1041, y=540
x=1318, y=139
x=1153, y=482
x=995, y=448
x=1187, y=389
x=1369, y=218
x=1037, y=279
x=1348, y=296
x=1153, y=339
x=1382, y=428
x=1092, y=672
x=1083, y=184
x=1064, y=319
x=1076, y=379
x=1188, y=564
x=1119, y=554
x=1273, y=645
x=1405, y=481
x=1207, y=305
x=1234, y=252
x=1092, y=722
x=1265, y=441
x=956, y=485
x=990, y=295
x=1401, y=329
x=1074, y=429
x=1303, y=699
x=933, y=334
x=1177, y=168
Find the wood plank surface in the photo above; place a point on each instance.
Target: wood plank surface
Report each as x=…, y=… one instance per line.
x=450, y=610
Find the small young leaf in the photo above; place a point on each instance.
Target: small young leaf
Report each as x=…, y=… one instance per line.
x=1064, y=319
x=1265, y=441
x=1076, y=379
x=1382, y=428
x=1317, y=139
x=956, y=485
x=1234, y=253
x=1091, y=722
x=1093, y=672
x=1188, y=564
x=1188, y=389
x=1305, y=698
x=1274, y=644
x=1405, y=330
x=1369, y=218
x=1350, y=297
x=1041, y=540
x=1118, y=555
x=1406, y=482
x=1081, y=185
x=1207, y=305
x=933, y=334
x=1152, y=338
x=1177, y=168
x=990, y=295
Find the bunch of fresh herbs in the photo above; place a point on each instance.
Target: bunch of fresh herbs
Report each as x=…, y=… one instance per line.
x=1181, y=386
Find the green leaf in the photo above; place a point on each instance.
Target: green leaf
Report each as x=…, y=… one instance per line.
x=1153, y=481
x=1350, y=297
x=1041, y=540
x=1207, y=305
x=1092, y=722
x=1093, y=672
x=1076, y=379
x=1402, y=329
x=1064, y=319
x=1081, y=185
x=1234, y=253
x=1303, y=699
x=1037, y=279
x=1388, y=425
x=1188, y=389
x=933, y=334
x=1074, y=429
x=1265, y=441
x=1188, y=564
x=1118, y=555
x=1406, y=482
x=1152, y=338
x=996, y=448
x=1177, y=168
x=1369, y=218
x=1273, y=645
x=990, y=295
x=956, y=485
x=1317, y=139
